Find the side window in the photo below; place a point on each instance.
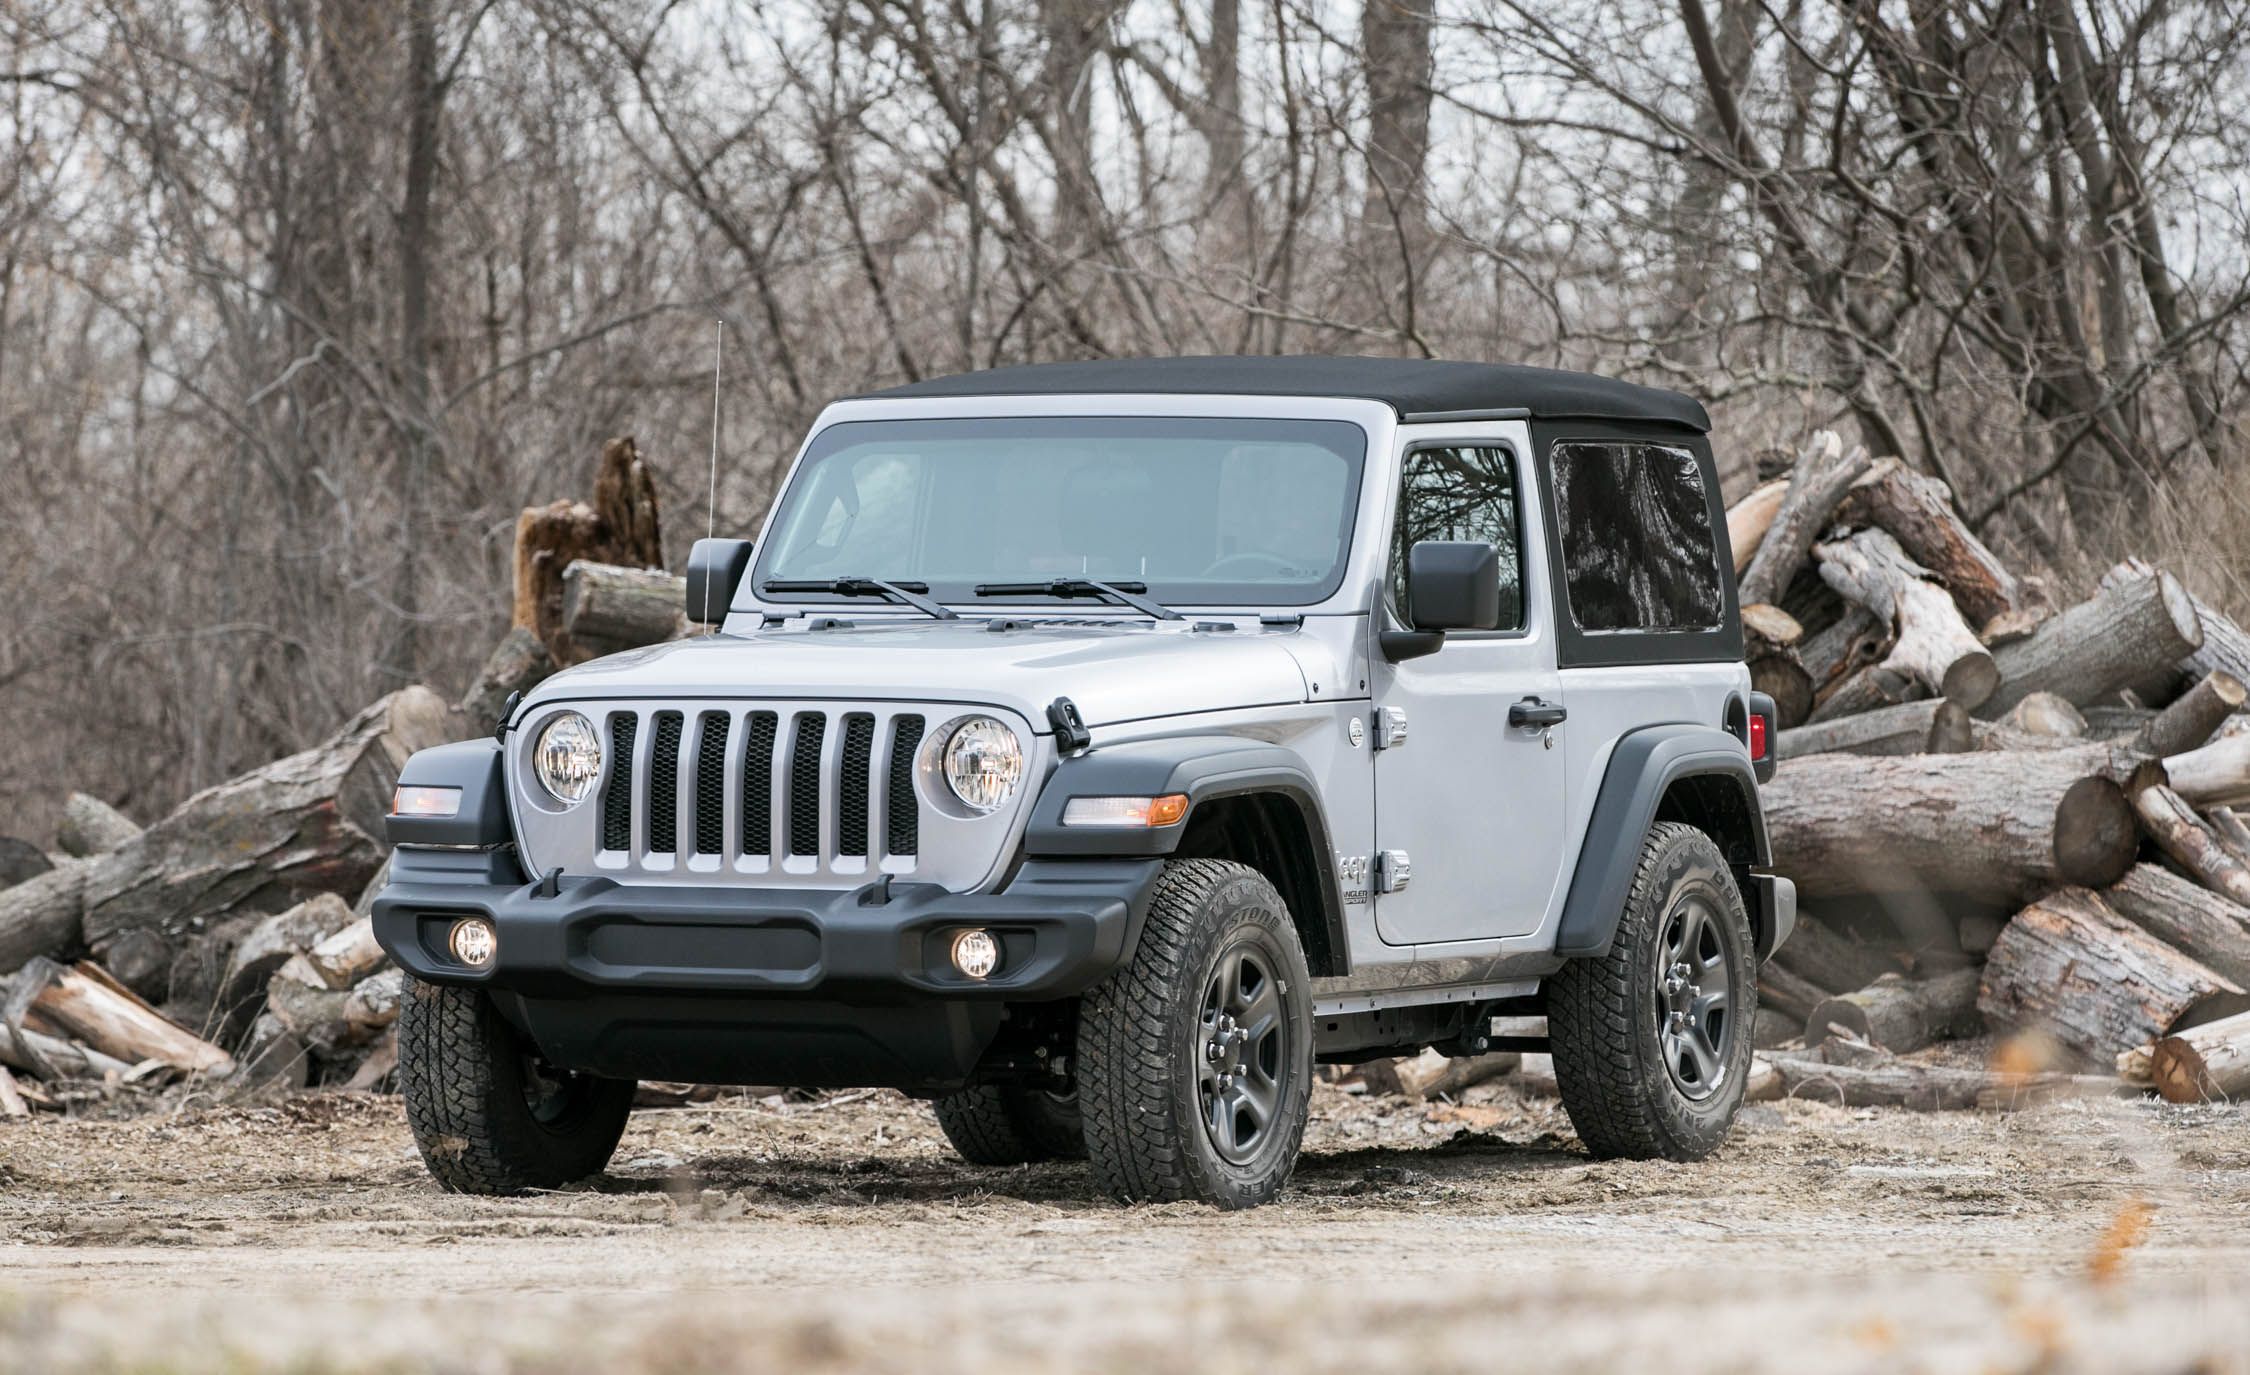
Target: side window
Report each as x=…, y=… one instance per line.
x=1637, y=550
x=1466, y=493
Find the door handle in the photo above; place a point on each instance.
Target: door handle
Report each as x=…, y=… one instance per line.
x=1533, y=712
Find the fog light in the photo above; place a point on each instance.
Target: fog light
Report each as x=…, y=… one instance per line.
x=976, y=953
x=474, y=942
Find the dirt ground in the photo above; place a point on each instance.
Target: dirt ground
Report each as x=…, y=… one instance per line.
x=817, y=1236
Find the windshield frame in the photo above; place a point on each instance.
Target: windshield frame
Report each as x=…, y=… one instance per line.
x=1348, y=436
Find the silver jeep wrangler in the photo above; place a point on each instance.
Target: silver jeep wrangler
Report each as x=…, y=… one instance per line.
x=1094, y=747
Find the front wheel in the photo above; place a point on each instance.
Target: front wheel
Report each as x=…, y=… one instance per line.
x=1011, y=1124
x=1652, y=1040
x=488, y=1114
x=1195, y=1059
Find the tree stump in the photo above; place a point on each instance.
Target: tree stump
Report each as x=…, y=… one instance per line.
x=620, y=527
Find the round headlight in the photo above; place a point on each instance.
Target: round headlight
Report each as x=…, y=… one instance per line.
x=568, y=758
x=983, y=763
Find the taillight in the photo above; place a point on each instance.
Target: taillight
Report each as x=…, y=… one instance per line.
x=1757, y=737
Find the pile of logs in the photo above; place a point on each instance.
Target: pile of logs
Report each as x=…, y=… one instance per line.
x=2005, y=819
x=229, y=941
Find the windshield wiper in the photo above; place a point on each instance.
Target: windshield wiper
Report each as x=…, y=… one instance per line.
x=1116, y=593
x=904, y=593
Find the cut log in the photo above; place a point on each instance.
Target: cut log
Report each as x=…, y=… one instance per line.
x=2191, y=843
x=2226, y=645
x=1870, y=689
x=2231, y=831
x=348, y=956
x=373, y=1005
x=381, y=1060
x=2071, y=967
x=2216, y=775
x=1918, y=511
x=1924, y=1088
x=607, y=608
x=2043, y=713
x=314, y=1015
x=620, y=527
x=2186, y=916
x=1831, y=961
x=1787, y=992
x=308, y=824
x=1769, y=638
x=11, y=1097
x=21, y=861
x=48, y=1056
x=1749, y=518
x=1823, y=472
x=91, y=826
x=42, y=916
x=2204, y=1064
x=273, y=943
x=1930, y=642
x=1850, y=643
x=517, y=664
x=2098, y=646
x=2115, y=722
x=85, y=1003
x=2188, y=722
x=1902, y=1014
x=1907, y=728
x=1999, y=827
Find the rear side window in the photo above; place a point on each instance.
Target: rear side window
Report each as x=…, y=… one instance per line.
x=1637, y=549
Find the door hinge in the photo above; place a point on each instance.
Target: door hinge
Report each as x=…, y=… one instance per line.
x=1393, y=871
x=1390, y=727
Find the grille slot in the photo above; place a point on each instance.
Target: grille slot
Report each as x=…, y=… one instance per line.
x=853, y=787
x=804, y=784
x=664, y=784
x=757, y=783
x=617, y=793
x=711, y=785
x=904, y=820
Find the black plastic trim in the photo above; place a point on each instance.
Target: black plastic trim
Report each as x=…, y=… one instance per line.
x=714, y=571
x=1644, y=765
x=473, y=766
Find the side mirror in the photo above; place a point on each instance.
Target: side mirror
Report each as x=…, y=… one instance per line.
x=1450, y=585
x=714, y=569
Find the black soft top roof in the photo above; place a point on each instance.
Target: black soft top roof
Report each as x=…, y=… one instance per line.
x=1418, y=389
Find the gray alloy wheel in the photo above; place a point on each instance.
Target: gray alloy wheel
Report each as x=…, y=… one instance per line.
x=1243, y=1067
x=1695, y=997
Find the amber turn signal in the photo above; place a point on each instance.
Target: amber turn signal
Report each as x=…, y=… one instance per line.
x=1126, y=812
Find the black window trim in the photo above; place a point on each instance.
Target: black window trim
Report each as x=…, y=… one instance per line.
x=1390, y=616
x=1576, y=648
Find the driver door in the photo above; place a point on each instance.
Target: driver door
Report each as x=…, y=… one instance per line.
x=1475, y=805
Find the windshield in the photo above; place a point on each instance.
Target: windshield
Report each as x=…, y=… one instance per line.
x=1212, y=512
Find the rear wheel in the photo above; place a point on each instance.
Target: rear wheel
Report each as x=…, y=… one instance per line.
x=996, y=1124
x=1652, y=1041
x=488, y=1114
x=1195, y=1059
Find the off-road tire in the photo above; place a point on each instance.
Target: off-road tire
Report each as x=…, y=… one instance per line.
x=1142, y=1041
x=1605, y=1024
x=463, y=1070
x=1008, y=1124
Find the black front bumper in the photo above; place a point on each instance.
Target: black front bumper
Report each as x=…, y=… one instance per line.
x=750, y=985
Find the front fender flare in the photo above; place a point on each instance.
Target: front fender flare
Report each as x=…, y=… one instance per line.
x=1644, y=765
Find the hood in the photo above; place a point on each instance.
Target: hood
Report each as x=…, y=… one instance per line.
x=1124, y=671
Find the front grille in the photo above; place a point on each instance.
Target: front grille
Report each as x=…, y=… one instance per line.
x=798, y=791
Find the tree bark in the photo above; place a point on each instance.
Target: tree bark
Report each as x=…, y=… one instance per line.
x=1830, y=960
x=91, y=826
x=1924, y=1088
x=606, y=608
x=1930, y=642
x=1869, y=689
x=51, y=1057
x=1750, y=518
x=1918, y=512
x=2186, y=916
x=1823, y=472
x=2205, y=1064
x=517, y=664
x=1852, y=642
x=2098, y=646
x=1925, y=727
x=2215, y=775
x=2231, y=832
x=348, y=956
x=311, y=823
x=2183, y=835
x=1769, y=637
x=1994, y=826
x=1902, y=1014
x=2226, y=645
x=1786, y=992
x=620, y=527
x=2069, y=966
x=85, y=1003
x=42, y=916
